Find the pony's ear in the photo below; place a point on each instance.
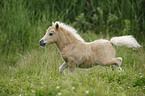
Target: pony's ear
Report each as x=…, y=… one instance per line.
x=52, y=23
x=57, y=26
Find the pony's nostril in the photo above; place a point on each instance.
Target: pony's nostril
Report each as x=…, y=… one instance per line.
x=42, y=43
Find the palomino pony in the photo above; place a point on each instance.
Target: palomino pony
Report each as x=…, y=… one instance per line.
x=78, y=53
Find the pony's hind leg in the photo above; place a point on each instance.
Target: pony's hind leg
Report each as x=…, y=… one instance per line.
x=119, y=61
x=62, y=68
x=113, y=61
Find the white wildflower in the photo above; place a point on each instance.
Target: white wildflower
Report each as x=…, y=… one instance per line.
x=33, y=91
x=73, y=88
x=139, y=73
x=59, y=93
x=57, y=87
x=87, y=92
x=128, y=87
x=92, y=78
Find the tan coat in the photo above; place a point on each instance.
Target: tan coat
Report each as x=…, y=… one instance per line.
x=78, y=53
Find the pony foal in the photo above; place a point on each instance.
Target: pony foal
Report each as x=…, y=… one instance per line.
x=78, y=53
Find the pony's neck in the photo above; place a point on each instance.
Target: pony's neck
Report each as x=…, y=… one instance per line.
x=64, y=39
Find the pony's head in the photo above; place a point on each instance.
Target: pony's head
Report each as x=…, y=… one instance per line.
x=51, y=35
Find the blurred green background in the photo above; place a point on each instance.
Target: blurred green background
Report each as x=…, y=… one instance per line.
x=24, y=22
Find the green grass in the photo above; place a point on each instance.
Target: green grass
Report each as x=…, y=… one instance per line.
x=28, y=69
x=36, y=74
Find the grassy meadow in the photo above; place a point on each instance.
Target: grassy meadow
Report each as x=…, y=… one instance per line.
x=27, y=69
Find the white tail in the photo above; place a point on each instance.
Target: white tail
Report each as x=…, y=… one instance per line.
x=127, y=41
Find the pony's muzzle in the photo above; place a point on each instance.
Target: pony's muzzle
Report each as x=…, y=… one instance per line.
x=42, y=42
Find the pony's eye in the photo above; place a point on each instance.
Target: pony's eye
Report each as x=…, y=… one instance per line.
x=50, y=34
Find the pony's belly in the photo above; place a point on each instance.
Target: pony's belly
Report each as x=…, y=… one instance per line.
x=88, y=64
x=85, y=65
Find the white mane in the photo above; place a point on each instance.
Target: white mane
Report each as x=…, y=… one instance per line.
x=70, y=30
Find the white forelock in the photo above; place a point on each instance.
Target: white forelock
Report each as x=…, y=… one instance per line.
x=70, y=30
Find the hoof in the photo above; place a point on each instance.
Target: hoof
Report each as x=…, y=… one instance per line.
x=120, y=68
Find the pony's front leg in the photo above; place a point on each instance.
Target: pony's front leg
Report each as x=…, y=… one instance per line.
x=62, y=68
x=71, y=68
x=113, y=67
